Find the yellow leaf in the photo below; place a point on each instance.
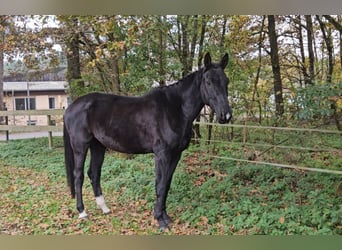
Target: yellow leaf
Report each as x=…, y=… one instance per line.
x=98, y=52
x=282, y=220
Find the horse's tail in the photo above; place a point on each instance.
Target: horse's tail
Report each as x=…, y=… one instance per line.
x=69, y=161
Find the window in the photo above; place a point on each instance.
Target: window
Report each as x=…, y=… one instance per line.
x=52, y=103
x=25, y=103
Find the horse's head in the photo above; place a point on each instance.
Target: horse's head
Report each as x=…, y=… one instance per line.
x=214, y=88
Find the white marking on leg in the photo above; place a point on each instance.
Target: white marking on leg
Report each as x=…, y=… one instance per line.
x=102, y=204
x=228, y=116
x=83, y=215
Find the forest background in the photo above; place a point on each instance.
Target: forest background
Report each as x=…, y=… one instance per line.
x=282, y=68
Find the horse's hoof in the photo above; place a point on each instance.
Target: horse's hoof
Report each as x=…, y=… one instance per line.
x=164, y=225
x=163, y=229
x=83, y=215
x=106, y=211
x=167, y=220
x=101, y=204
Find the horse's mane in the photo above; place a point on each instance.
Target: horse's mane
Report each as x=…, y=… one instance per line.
x=186, y=79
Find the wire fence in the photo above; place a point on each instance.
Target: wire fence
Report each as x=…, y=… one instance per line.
x=307, y=149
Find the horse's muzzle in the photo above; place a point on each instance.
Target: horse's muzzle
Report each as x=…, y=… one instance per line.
x=225, y=117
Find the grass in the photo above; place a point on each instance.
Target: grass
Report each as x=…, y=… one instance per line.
x=208, y=196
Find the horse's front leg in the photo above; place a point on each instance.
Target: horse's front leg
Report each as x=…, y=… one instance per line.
x=166, y=163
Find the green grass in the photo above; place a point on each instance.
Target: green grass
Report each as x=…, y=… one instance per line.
x=207, y=196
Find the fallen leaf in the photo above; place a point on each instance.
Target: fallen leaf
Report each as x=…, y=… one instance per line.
x=44, y=225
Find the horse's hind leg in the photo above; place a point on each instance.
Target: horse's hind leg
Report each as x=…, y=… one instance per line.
x=79, y=157
x=97, y=151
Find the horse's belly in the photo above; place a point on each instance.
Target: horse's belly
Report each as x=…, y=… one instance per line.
x=126, y=143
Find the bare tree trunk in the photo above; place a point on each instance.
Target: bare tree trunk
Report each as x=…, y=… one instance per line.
x=309, y=30
x=337, y=24
x=330, y=47
x=278, y=87
x=73, y=59
x=116, y=77
x=193, y=42
x=161, y=53
x=196, y=128
x=340, y=20
x=302, y=65
x=2, y=47
x=201, y=41
x=223, y=33
x=255, y=88
x=183, y=43
x=2, y=43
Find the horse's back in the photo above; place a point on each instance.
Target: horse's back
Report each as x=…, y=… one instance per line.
x=93, y=104
x=125, y=124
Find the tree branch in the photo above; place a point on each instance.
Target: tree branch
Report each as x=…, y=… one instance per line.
x=336, y=24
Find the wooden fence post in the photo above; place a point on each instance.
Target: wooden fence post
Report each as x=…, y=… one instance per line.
x=6, y=123
x=50, y=132
x=244, y=133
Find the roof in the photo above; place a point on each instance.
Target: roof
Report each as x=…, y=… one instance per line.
x=35, y=86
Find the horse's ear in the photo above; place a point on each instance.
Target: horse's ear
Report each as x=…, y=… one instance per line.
x=224, y=61
x=207, y=60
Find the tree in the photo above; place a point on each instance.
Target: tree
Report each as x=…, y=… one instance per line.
x=309, y=28
x=162, y=48
x=278, y=87
x=69, y=34
x=326, y=32
x=336, y=23
x=256, y=81
x=2, y=45
x=183, y=36
x=72, y=42
x=102, y=41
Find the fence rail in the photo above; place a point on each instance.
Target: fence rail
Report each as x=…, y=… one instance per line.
x=49, y=128
x=254, y=145
x=269, y=127
x=33, y=112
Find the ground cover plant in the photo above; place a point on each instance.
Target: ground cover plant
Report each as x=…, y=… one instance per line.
x=207, y=196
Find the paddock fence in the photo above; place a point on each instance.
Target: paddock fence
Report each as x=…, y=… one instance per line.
x=24, y=121
x=305, y=149
x=302, y=149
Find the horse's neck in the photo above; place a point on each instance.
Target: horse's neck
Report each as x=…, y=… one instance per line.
x=190, y=93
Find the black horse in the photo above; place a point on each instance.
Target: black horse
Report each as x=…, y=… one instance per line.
x=159, y=122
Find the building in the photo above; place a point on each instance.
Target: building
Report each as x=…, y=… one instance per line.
x=33, y=96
